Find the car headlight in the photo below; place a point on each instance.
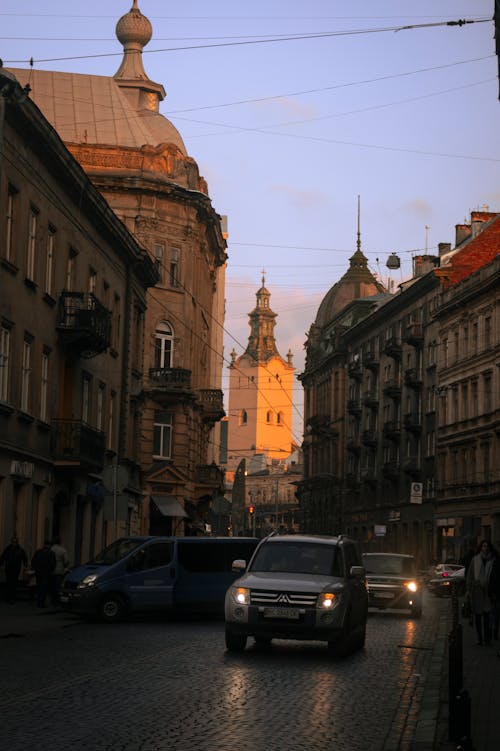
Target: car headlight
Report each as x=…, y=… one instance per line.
x=326, y=601
x=241, y=595
x=412, y=586
x=89, y=581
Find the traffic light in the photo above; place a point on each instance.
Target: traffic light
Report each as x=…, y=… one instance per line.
x=251, y=509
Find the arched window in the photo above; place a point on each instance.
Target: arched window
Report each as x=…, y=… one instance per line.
x=164, y=345
x=243, y=417
x=269, y=417
x=279, y=418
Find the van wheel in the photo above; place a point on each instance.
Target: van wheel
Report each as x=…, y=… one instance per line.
x=235, y=642
x=111, y=608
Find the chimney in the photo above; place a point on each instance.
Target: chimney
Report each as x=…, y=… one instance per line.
x=462, y=233
x=423, y=264
x=444, y=248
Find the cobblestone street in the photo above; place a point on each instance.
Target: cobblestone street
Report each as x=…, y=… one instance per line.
x=151, y=685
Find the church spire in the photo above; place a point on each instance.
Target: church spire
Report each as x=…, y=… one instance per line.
x=261, y=342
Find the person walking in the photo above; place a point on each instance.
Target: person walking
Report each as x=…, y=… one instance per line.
x=477, y=588
x=43, y=564
x=13, y=558
x=494, y=594
x=62, y=563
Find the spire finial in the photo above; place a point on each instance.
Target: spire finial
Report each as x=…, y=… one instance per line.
x=358, y=243
x=263, y=277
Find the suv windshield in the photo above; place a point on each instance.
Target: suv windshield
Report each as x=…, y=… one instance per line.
x=292, y=558
x=116, y=551
x=389, y=564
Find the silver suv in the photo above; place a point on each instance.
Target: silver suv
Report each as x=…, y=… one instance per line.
x=299, y=587
x=392, y=582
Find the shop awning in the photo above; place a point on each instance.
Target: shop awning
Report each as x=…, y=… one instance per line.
x=167, y=505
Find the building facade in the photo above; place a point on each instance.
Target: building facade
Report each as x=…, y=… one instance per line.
x=401, y=407
x=138, y=161
x=73, y=286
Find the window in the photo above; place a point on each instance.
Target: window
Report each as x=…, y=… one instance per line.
x=116, y=323
x=10, y=218
x=243, y=417
x=475, y=337
x=49, y=261
x=111, y=419
x=487, y=393
x=174, y=267
x=32, y=230
x=279, y=418
x=269, y=417
x=70, y=269
x=159, y=254
x=445, y=352
x=162, y=435
x=431, y=443
x=92, y=281
x=164, y=345
x=100, y=407
x=85, y=398
x=465, y=401
x=474, y=399
x=487, y=332
x=4, y=363
x=26, y=376
x=44, y=384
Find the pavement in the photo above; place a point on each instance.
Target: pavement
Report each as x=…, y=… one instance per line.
x=480, y=670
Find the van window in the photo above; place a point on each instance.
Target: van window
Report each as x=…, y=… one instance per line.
x=115, y=552
x=152, y=556
x=209, y=556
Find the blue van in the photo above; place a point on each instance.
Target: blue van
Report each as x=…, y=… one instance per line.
x=146, y=574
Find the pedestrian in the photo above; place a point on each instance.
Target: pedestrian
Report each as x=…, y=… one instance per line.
x=60, y=569
x=494, y=593
x=13, y=558
x=43, y=563
x=477, y=584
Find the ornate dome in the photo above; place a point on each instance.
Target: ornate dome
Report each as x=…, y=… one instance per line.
x=357, y=282
x=134, y=28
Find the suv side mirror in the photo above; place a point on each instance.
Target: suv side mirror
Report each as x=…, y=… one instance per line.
x=239, y=565
x=358, y=572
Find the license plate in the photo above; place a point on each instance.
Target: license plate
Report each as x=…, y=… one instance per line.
x=289, y=613
x=384, y=595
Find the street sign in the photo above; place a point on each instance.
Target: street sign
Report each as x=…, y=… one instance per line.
x=416, y=492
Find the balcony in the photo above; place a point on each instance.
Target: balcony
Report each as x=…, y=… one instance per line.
x=392, y=430
x=413, y=379
x=354, y=370
x=211, y=401
x=169, y=385
x=413, y=422
x=320, y=425
x=210, y=477
x=74, y=443
x=84, y=324
x=391, y=470
x=414, y=334
x=412, y=466
x=393, y=347
x=392, y=388
x=370, y=399
x=369, y=437
x=371, y=361
x=354, y=406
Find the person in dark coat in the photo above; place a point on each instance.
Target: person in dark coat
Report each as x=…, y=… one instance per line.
x=43, y=564
x=477, y=587
x=494, y=593
x=13, y=558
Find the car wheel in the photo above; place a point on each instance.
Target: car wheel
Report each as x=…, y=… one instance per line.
x=111, y=608
x=347, y=642
x=235, y=642
x=263, y=641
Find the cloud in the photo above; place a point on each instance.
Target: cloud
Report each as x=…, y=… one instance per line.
x=302, y=198
x=418, y=206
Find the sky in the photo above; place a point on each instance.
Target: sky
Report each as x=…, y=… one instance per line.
x=292, y=110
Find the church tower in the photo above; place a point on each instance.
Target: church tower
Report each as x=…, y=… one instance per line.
x=260, y=391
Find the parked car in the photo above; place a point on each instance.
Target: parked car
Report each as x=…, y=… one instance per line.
x=299, y=587
x=443, y=576
x=392, y=582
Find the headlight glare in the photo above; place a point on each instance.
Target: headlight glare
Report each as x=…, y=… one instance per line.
x=412, y=586
x=241, y=595
x=89, y=581
x=326, y=600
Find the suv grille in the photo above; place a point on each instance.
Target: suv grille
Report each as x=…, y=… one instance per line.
x=385, y=580
x=299, y=599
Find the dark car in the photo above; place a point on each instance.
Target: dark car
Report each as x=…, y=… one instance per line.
x=300, y=587
x=443, y=576
x=392, y=582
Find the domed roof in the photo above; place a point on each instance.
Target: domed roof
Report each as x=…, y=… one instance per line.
x=357, y=282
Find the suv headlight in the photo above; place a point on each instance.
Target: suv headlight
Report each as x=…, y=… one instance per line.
x=241, y=595
x=412, y=586
x=326, y=601
x=89, y=581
